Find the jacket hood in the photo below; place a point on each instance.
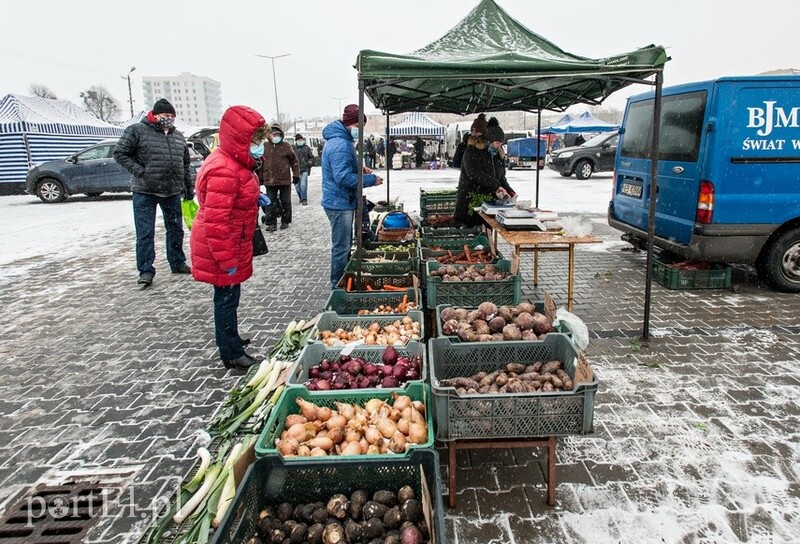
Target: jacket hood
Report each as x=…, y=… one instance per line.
x=336, y=130
x=236, y=130
x=476, y=142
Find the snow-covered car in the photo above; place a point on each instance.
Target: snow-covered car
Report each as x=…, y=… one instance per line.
x=92, y=171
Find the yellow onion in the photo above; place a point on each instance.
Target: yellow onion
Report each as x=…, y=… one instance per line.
x=364, y=445
x=322, y=442
x=401, y=401
x=291, y=419
x=417, y=433
x=345, y=409
x=398, y=442
x=324, y=413
x=308, y=409
x=336, y=421
x=419, y=406
x=337, y=435
x=402, y=425
x=287, y=446
x=352, y=436
x=386, y=426
x=318, y=452
x=301, y=431
x=373, y=449
x=416, y=417
x=372, y=435
x=373, y=405
x=303, y=451
x=352, y=448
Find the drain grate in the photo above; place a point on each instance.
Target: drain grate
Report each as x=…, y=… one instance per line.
x=62, y=512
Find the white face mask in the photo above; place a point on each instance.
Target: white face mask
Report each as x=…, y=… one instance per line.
x=301, y=143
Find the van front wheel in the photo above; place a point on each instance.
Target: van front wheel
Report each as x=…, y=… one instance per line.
x=781, y=262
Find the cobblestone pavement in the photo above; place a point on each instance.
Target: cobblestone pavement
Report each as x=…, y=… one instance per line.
x=696, y=432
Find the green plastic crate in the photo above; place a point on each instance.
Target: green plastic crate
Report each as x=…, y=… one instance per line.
x=455, y=243
x=271, y=481
x=507, y=415
x=344, y=303
x=472, y=293
x=315, y=353
x=718, y=277
x=330, y=321
x=378, y=281
x=437, y=202
x=286, y=405
x=396, y=246
x=390, y=268
x=435, y=233
x=539, y=306
x=408, y=254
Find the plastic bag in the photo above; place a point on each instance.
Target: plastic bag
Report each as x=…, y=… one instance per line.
x=189, y=209
x=575, y=226
x=574, y=324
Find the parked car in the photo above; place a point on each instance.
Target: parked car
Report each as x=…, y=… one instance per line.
x=595, y=155
x=92, y=171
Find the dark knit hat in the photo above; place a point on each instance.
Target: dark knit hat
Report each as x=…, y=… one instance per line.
x=298, y=137
x=162, y=105
x=276, y=127
x=350, y=115
x=493, y=131
x=479, y=124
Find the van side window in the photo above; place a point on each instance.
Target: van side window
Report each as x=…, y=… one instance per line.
x=681, y=128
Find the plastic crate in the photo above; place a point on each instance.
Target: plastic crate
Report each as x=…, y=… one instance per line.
x=434, y=233
x=437, y=202
x=507, y=415
x=396, y=246
x=286, y=405
x=471, y=293
x=330, y=321
x=390, y=268
x=455, y=243
x=344, y=303
x=539, y=306
x=408, y=254
x=271, y=481
x=313, y=354
x=718, y=277
x=377, y=281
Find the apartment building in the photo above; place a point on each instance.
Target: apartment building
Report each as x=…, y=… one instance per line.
x=197, y=99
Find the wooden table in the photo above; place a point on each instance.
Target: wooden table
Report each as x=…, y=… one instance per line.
x=536, y=241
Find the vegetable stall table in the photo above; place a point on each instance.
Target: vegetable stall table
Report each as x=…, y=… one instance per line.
x=536, y=241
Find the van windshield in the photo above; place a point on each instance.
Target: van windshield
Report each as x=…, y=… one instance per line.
x=681, y=128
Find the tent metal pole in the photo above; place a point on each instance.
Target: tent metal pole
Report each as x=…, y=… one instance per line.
x=651, y=221
x=360, y=206
x=386, y=157
x=538, y=135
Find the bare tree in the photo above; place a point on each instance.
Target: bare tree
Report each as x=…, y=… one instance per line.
x=43, y=91
x=99, y=102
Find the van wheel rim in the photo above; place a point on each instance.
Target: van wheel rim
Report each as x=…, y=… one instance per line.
x=791, y=263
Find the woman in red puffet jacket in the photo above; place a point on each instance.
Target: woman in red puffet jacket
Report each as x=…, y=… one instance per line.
x=222, y=233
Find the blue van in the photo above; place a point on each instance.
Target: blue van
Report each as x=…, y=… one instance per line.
x=728, y=174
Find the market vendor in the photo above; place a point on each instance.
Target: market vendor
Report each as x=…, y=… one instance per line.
x=483, y=172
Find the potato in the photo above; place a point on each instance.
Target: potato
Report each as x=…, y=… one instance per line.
x=473, y=316
x=488, y=309
x=448, y=314
x=481, y=327
x=524, y=321
x=518, y=368
x=496, y=324
x=501, y=379
x=450, y=327
x=505, y=313
x=511, y=332
x=541, y=325
x=551, y=366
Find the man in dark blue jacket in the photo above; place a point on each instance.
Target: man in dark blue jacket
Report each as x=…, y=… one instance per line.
x=340, y=185
x=157, y=156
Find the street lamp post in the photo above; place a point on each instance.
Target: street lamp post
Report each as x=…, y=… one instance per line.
x=339, y=99
x=274, y=81
x=130, y=92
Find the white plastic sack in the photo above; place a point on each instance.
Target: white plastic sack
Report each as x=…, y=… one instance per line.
x=574, y=225
x=575, y=325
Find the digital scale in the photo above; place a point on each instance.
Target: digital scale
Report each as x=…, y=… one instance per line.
x=515, y=219
x=494, y=207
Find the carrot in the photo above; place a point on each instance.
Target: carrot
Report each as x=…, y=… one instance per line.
x=393, y=288
x=349, y=284
x=404, y=304
x=466, y=252
x=369, y=288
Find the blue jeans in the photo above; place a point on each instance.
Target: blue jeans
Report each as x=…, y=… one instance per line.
x=226, y=321
x=302, y=187
x=144, y=217
x=341, y=240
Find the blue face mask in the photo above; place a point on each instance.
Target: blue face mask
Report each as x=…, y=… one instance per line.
x=277, y=139
x=257, y=151
x=355, y=133
x=301, y=143
x=493, y=150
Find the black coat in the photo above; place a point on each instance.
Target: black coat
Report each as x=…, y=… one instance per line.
x=304, y=156
x=480, y=173
x=159, y=162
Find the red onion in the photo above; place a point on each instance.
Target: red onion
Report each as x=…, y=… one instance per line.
x=313, y=372
x=390, y=381
x=389, y=356
x=323, y=385
x=370, y=369
x=399, y=370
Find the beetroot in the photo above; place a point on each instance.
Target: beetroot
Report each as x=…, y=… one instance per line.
x=389, y=356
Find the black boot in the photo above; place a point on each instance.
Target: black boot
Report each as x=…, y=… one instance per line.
x=243, y=362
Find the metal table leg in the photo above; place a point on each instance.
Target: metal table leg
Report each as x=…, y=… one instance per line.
x=535, y=267
x=570, y=276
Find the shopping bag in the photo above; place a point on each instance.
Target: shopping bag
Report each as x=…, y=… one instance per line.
x=259, y=243
x=189, y=209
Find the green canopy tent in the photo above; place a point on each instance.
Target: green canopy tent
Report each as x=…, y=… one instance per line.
x=491, y=62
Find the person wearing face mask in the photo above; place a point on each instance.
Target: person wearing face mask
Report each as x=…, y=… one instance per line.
x=482, y=171
x=155, y=153
x=222, y=233
x=279, y=169
x=340, y=185
x=306, y=159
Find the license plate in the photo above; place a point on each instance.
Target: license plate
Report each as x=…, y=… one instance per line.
x=631, y=190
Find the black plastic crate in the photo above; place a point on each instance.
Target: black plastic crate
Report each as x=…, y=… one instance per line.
x=271, y=481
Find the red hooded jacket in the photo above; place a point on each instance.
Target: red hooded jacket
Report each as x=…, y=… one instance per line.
x=227, y=189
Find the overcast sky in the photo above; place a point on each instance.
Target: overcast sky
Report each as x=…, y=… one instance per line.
x=69, y=45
